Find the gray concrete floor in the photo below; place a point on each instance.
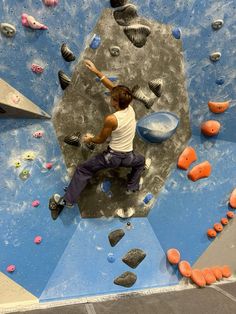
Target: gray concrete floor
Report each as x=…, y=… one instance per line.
x=217, y=299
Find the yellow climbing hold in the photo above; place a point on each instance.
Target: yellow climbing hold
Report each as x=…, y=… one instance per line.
x=29, y=156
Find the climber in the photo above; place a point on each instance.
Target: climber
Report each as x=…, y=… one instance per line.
x=120, y=128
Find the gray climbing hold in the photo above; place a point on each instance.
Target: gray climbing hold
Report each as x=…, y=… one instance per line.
x=156, y=86
x=215, y=56
x=67, y=54
x=137, y=34
x=139, y=95
x=217, y=24
x=115, y=236
x=7, y=30
x=134, y=257
x=125, y=15
x=127, y=279
x=117, y=3
x=114, y=51
x=63, y=79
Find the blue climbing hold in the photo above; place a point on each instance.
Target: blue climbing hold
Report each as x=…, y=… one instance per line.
x=106, y=186
x=111, y=258
x=96, y=41
x=220, y=81
x=157, y=127
x=148, y=198
x=176, y=32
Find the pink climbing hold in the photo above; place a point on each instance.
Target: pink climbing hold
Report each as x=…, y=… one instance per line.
x=35, y=203
x=37, y=68
x=38, y=134
x=50, y=3
x=37, y=240
x=48, y=165
x=11, y=268
x=29, y=21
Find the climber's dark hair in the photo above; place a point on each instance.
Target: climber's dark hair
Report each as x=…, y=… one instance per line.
x=123, y=95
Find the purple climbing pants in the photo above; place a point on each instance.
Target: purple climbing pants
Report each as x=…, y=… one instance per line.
x=105, y=160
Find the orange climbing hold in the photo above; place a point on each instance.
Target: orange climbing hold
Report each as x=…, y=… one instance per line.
x=224, y=221
x=230, y=214
x=218, y=107
x=218, y=227
x=185, y=269
x=173, y=256
x=203, y=170
x=232, y=199
x=187, y=157
x=210, y=127
x=209, y=276
x=198, y=278
x=217, y=272
x=211, y=233
x=226, y=271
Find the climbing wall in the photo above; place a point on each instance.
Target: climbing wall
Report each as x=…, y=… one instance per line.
x=84, y=105
x=72, y=257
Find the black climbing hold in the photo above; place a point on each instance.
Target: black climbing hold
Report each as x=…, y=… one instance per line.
x=114, y=51
x=63, y=79
x=156, y=86
x=73, y=139
x=127, y=279
x=117, y=3
x=217, y=24
x=115, y=236
x=66, y=53
x=137, y=34
x=139, y=95
x=125, y=15
x=134, y=257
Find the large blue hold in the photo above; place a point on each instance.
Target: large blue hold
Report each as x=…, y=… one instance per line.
x=157, y=127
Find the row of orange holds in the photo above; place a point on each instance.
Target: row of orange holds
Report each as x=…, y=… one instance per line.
x=208, y=276
x=200, y=171
x=201, y=278
x=218, y=227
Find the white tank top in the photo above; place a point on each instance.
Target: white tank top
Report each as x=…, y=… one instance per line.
x=122, y=137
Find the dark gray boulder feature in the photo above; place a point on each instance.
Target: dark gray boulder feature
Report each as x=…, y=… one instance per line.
x=115, y=236
x=117, y=3
x=134, y=257
x=63, y=79
x=156, y=86
x=125, y=15
x=139, y=95
x=127, y=279
x=137, y=34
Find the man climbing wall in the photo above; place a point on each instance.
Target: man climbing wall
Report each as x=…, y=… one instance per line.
x=120, y=128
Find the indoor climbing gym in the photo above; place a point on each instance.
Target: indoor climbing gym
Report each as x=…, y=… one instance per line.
x=118, y=156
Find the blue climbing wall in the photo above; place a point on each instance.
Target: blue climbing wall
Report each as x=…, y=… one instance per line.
x=77, y=249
